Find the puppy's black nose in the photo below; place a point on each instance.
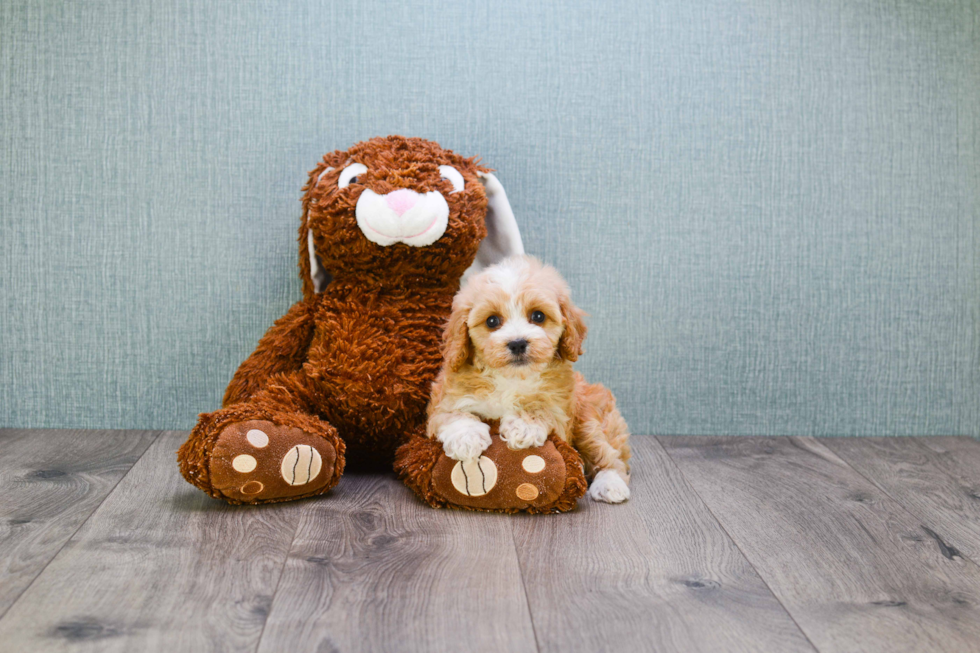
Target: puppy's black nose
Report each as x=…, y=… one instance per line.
x=517, y=347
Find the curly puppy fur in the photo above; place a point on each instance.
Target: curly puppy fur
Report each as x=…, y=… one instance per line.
x=354, y=364
x=508, y=351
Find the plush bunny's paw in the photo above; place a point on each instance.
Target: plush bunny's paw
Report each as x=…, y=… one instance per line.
x=256, y=461
x=501, y=478
x=522, y=434
x=609, y=487
x=544, y=479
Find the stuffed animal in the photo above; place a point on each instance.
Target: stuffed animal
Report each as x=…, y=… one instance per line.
x=389, y=228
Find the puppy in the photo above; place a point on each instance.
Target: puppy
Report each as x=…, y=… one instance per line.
x=508, y=351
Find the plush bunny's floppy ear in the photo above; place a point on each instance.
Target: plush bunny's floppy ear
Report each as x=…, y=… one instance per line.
x=318, y=276
x=503, y=237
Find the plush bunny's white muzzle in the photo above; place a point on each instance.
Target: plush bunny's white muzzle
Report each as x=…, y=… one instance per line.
x=402, y=216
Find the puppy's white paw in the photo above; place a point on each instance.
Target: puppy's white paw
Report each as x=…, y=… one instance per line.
x=519, y=434
x=609, y=487
x=464, y=439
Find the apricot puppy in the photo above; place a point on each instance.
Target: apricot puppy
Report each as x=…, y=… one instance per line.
x=508, y=350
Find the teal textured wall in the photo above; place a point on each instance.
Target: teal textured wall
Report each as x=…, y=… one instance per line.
x=769, y=208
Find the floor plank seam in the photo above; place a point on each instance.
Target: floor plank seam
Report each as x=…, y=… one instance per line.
x=527, y=601
x=80, y=526
x=275, y=590
x=940, y=540
x=734, y=542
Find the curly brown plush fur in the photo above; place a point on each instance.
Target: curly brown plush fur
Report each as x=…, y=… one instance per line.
x=353, y=365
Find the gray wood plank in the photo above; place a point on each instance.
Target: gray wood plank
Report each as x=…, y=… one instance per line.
x=959, y=457
x=50, y=482
x=933, y=485
x=375, y=569
x=657, y=573
x=853, y=567
x=159, y=566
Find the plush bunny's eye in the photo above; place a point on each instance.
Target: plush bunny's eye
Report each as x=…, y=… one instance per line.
x=349, y=174
x=452, y=174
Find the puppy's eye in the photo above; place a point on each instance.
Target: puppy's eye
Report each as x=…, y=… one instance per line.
x=452, y=174
x=493, y=321
x=537, y=317
x=349, y=174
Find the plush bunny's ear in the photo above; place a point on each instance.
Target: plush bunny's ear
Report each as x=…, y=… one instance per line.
x=318, y=276
x=317, y=273
x=503, y=237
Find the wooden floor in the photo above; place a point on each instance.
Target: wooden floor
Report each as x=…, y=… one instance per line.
x=728, y=544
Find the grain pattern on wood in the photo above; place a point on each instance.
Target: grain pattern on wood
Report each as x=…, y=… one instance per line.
x=374, y=569
x=959, y=457
x=935, y=486
x=159, y=566
x=50, y=482
x=853, y=567
x=656, y=573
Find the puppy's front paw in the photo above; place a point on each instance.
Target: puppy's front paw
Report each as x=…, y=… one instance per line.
x=465, y=439
x=609, y=487
x=521, y=434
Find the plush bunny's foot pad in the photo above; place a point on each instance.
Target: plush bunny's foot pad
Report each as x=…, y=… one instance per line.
x=541, y=479
x=257, y=460
x=261, y=461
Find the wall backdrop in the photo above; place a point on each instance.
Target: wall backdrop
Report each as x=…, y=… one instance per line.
x=769, y=208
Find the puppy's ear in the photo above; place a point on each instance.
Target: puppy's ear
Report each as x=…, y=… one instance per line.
x=456, y=346
x=570, y=343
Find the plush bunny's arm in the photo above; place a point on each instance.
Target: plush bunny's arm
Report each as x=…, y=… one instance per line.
x=282, y=349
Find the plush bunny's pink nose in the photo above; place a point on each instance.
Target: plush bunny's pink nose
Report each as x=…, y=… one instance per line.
x=401, y=200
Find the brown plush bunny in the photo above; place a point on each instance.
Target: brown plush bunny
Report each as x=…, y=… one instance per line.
x=389, y=228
